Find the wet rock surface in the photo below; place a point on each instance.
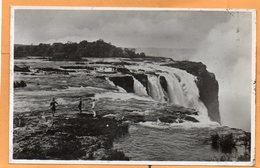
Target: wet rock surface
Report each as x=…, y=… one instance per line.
x=21, y=69
x=67, y=137
x=18, y=84
x=125, y=82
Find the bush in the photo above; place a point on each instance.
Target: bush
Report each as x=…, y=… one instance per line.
x=19, y=84
x=215, y=141
x=227, y=143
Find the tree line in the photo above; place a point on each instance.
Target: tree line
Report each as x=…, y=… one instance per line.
x=75, y=51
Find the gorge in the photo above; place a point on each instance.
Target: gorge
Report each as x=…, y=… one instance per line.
x=140, y=97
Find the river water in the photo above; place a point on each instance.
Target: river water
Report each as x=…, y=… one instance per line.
x=168, y=144
x=146, y=140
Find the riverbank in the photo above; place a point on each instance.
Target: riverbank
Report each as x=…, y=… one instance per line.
x=67, y=136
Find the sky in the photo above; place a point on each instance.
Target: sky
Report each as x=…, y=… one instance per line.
x=221, y=40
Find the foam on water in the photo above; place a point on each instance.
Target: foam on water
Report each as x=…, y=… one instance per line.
x=184, y=125
x=182, y=90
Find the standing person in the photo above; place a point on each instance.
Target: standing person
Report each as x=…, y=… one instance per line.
x=53, y=106
x=93, y=108
x=80, y=105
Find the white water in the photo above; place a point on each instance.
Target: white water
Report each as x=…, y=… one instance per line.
x=155, y=89
x=181, y=89
x=139, y=89
x=185, y=91
x=175, y=92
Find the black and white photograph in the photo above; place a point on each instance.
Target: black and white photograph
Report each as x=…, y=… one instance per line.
x=132, y=86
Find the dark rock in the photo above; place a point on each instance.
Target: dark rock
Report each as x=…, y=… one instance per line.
x=215, y=141
x=19, y=84
x=168, y=119
x=189, y=118
x=70, y=137
x=121, y=63
x=115, y=155
x=180, y=121
x=89, y=95
x=21, y=69
x=100, y=77
x=141, y=77
x=78, y=67
x=24, y=73
x=189, y=112
x=207, y=84
x=19, y=121
x=50, y=69
x=135, y=118
x=126, y=82
x=79, y=63
x=123, y=70
x=101, y=62
x=163, y=83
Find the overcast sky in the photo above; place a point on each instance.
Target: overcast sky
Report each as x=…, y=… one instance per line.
x=221, y=40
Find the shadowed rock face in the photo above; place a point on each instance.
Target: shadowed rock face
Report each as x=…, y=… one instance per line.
x=163, y=83
x=19, y=84
x=125, y=82
x=207, y=84
x=21, y=69
x=143, y=79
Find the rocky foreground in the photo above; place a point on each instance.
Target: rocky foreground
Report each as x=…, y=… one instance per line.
x=74, y=136
x=66, y=137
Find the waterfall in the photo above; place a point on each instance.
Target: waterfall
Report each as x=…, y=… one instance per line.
x=175, y=92
x=154, y=88
x=181, y=90
x=191, y=92
x=139, y=89
x=177, y=88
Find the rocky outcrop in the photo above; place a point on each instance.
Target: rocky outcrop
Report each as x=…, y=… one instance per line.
x=120, y=63
x=18, y=84
x=231, y=140
x=21, y=69
x=163, y=83
x=78, y=67
x=207, y=84
x=125, y=82
x=67, y=137
x=51, y=70
x=123, y=70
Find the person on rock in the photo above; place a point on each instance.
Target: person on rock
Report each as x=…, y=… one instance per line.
x=53, y=106
x=93, y=108
x=80, y=105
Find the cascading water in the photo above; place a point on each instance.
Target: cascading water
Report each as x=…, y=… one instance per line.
x=182, y=90
x=139, y=89
x=154, y=88
x=175, y=92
